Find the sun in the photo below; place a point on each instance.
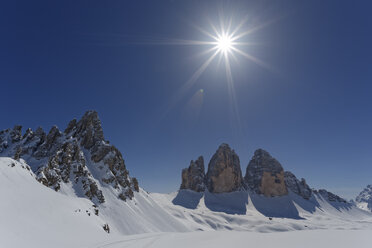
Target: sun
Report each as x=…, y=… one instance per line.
x=224, y=43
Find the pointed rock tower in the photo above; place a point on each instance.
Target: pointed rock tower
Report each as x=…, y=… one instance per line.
x=193, y=177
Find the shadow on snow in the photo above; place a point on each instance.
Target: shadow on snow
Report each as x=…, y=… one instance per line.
x=237, y=202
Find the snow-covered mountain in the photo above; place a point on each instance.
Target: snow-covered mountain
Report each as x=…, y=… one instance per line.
x=73, y=187
x=364, y=199
x=80, y=164
x=77, y=161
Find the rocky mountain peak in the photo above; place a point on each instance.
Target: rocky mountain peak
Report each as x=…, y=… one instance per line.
x=53, y=134
x=40, y=132
x=263, y=159
x=265, y=175
x=71, y=126
x=224, y=173
x=88, y=129
x=224, y=146
x=193, y=177
x=72, y=158
x=16, y=133
x=261, y=153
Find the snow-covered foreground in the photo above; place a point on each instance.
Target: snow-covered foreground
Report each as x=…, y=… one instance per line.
x=223, y=239
x=32, y=215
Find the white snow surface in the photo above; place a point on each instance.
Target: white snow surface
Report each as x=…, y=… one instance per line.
x=32, y=215
x=224, y=239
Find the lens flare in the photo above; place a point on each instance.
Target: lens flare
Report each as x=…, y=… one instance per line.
x=224, y=43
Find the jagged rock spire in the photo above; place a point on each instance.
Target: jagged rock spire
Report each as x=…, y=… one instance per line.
x=193, y=177
x=89, y=129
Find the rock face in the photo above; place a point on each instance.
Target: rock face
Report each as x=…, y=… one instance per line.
x=364, y=199
x=224, y=174
x=329, y=196
x=79, y=156
x=298, y=187
x=265, y=175
x=193, y=177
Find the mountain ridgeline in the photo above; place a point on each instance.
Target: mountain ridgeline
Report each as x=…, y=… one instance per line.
x=77, y=159
x=264, y=176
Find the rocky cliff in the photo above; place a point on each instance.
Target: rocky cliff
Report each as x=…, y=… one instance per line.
x=265, y=175
x=299, y=187
x=193, y=177
x=224, y=174
x=78, y=159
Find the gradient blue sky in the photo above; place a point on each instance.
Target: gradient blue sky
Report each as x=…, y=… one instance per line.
x=313, y=112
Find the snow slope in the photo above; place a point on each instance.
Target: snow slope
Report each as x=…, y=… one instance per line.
x=32, y=215
x=249, y=212
x=223, y=239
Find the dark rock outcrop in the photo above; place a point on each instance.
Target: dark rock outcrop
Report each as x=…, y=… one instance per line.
x=329, y=196
x=265, y=175
x=224, y=174
x=73, y=156
x=50, y=145
x=193, y=177
x=298, y=187
x=16, y=133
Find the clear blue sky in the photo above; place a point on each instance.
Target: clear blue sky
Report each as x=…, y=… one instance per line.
x=313, y=112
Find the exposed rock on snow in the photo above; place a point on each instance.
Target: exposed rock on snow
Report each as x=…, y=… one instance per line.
x=79, y=158
x=364, y=199
x=299, y=187
x=224, y=174
x=329, y=196
x=265, y=175
x=193, y=177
